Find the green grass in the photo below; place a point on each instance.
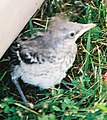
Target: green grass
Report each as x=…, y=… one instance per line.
x=84, y=96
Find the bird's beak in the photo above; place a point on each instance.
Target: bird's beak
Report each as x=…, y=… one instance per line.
x=85, y=28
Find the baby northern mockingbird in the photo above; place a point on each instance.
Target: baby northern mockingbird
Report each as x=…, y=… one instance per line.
x=43, y=60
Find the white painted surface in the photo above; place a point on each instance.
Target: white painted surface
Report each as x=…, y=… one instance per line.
x=14, y=14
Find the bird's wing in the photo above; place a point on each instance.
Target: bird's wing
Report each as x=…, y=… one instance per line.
x=30, y=51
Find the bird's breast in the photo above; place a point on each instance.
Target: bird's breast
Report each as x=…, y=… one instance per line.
x=47, y=74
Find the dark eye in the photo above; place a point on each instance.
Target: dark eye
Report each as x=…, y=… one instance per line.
x=72, y=34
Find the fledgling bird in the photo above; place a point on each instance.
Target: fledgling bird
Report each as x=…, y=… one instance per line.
x=43, y=60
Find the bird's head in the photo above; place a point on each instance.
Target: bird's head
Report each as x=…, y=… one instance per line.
x=65, y=33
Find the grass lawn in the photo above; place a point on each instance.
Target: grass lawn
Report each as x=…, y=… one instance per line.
x=84, y=96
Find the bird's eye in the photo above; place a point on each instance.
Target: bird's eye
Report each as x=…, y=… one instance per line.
x=72, y=34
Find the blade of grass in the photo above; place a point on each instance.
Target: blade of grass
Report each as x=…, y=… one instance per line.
x=88, y=49
x=88, y=11
x=3, y=75
x=32, y=32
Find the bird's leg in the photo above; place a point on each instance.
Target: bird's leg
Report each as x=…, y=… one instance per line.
x=15, y=81
x=67, y=85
